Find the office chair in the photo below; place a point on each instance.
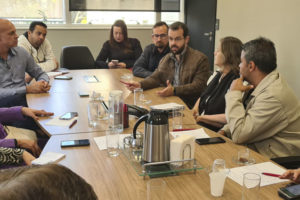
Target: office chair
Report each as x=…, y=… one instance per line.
x=77, y=57
x=289, y=162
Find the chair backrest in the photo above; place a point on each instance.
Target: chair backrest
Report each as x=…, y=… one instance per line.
x=77, y=57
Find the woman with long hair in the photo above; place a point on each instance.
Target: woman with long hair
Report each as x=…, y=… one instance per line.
x=210, y=108
x=119, y=51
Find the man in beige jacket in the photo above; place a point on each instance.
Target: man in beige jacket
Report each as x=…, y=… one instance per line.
x=267, y=118
x=184, y=71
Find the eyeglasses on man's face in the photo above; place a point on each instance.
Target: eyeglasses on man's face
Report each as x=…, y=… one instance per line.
x=162, y=36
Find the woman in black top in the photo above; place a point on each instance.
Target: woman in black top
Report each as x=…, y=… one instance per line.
x=119, y=51
x=210, y=108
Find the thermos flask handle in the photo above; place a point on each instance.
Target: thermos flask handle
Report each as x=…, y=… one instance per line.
x=140, y=120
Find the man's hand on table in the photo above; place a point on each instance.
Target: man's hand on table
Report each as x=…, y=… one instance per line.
x=38, y=87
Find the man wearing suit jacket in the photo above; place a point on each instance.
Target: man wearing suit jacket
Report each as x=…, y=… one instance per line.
x=267, y=117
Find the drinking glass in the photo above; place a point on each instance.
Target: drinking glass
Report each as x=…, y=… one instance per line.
x=156, y=189
x=112, y=142
x=116, y=110
x=219, y=165
x=138, y=97
x=251, y=185
x=177, y=114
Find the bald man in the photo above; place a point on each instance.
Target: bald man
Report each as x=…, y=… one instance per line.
x=14, y=62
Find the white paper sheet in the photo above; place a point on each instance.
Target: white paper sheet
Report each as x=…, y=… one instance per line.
x=236, y=174
x=101, y=141
x=197, y=133
x=166, y=106
x=53, y=74
x=48, y=157
x=58, y=122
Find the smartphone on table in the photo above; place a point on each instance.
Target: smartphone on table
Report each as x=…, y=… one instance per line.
x=213, y=140
x=68, y=115
x=75, y=143
x=290, y=192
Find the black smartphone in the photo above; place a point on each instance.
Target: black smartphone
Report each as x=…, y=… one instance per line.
x=68, y=115
x=213, y=140
x=74, y=143
x=83, y=94
x=290, y=192
x=63, y=77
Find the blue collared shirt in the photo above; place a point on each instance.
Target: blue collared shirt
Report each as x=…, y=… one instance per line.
x=12, y=72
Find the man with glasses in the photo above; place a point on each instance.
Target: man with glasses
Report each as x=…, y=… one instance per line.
x=14, y=62
x=153, y=53
x=183, y=72
x=35, y=42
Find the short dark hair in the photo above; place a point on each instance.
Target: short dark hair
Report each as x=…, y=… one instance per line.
x=262, y=52
x=45, y=182
x=177, y=25
x=157, y=24
x=231, y=48
x=36, y=23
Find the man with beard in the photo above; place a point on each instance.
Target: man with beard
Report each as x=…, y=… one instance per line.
x=153, y=53
x=183, y=72
x=267, y=117
x=35, y=42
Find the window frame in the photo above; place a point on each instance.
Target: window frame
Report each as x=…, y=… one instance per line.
x=69, y=25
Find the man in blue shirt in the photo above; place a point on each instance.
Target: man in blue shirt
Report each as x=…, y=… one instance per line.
x=14, y=62
x=146, y=64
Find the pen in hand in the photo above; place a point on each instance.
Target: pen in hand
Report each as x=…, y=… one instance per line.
x=270, y=174
x=73, y=123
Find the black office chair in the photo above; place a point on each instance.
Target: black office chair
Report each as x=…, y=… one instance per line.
x=289, y=162
x=77, y=57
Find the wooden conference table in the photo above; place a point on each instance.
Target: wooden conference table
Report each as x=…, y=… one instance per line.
x=115, y=178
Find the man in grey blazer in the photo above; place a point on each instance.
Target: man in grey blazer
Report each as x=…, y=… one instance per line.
x=267, y=117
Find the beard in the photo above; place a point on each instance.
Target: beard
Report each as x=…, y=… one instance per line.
x=159, y=45
x=178, y=51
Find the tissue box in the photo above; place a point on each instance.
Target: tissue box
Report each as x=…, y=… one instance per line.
x=182, y=147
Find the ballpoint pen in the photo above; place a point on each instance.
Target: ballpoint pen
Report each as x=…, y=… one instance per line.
x=270, y=174
x=183, y=129
x=73, y=123
x=125, y=83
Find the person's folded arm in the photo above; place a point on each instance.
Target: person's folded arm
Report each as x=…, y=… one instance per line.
x=11, y=114
x=265, y=115
x=217, y=120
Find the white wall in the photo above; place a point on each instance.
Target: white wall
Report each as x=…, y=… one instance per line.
x=277, y=20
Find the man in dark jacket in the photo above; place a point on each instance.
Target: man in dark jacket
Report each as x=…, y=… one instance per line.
x=153, y=53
